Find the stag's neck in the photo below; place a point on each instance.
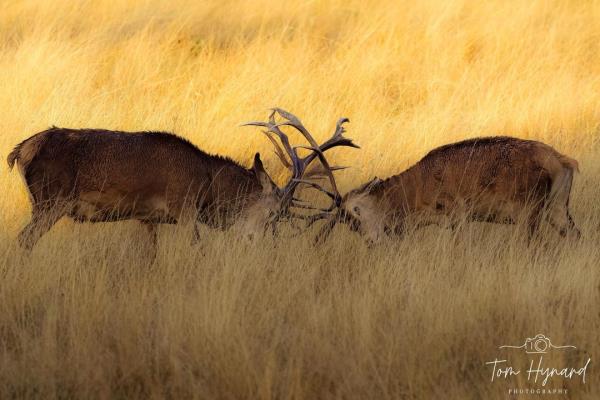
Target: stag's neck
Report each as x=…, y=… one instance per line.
x=228, y=180
x=399, y=195
x=227, y=168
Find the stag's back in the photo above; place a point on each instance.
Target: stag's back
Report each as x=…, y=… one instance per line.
x=155, y=170
x=489, y=173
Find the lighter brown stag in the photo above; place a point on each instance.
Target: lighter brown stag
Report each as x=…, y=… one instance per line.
x=493, y=179
x=96, y=175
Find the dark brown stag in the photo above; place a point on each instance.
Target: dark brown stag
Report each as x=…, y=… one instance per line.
x=494, y=179
x=95, y=175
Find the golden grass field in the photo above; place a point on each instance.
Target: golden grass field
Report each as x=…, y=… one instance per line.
x=86, y=316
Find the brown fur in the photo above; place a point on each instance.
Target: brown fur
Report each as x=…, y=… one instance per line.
x=24, y=152
x=96, y=175
x=491, y=179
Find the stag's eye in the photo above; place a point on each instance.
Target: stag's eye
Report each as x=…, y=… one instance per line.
x=356, y=210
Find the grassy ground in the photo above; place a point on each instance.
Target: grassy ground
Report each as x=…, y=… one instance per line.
x=85, y=315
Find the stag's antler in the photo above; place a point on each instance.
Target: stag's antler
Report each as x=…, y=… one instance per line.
x=288, y=155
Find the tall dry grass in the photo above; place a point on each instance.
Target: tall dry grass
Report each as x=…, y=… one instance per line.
x=84, y=316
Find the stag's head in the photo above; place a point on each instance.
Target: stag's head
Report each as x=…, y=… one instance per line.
x=276, y=203
x=359, y=209
x=264, y=205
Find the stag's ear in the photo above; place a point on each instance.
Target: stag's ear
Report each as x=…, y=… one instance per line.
x=367, y=187
x=265, y=180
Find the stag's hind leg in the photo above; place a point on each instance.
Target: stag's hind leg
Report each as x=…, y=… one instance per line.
x=50, y=194
x=558, y=212
x=42, y=219
x=152, y=230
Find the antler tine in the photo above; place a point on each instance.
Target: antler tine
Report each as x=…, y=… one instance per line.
x=299, y=204
x=338, y=138
x=339, y=126
x=272, y=128
x=320, y=173
x=294, y=122
x=318, y=187
x=278, y=150
x=311, y=219
x=328, y=172
x=304, y=207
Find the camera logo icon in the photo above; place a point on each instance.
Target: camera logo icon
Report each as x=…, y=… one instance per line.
x=539, y=344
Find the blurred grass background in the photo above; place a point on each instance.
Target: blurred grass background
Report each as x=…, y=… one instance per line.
x=86, y=316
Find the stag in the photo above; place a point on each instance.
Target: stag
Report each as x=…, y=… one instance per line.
x=94, y=175
x=492, y=179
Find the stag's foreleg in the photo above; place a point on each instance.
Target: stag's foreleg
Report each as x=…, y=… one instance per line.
x=572, y=226
x=562, y=221
x=533, y=223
